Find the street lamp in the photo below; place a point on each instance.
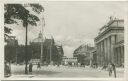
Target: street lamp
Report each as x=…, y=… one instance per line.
x=51, y=50
x=43, y=25
x=41, y=49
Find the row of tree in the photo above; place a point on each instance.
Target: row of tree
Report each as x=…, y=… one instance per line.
x=16, y=53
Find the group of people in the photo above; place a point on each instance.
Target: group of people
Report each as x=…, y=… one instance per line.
x=31, y=66
x=111, y=69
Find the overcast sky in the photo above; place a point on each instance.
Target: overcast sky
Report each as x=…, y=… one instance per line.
x=73, y=23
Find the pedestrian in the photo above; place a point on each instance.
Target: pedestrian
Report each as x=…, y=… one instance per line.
x=58, y=64
x=38, y=66
x=104, y=67
x=79, y=64
x=7, y=70
x=114, y=69
x=30, y=68
x=72, y=64
x=110, y=69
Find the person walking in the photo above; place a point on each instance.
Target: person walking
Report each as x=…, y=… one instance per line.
x=114, y=69
x=7, y=70
x=30, y=68
x=110, y=69
x=38, y=66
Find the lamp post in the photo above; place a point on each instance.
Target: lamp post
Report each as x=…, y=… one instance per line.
x=43, y=25
x=41, y=58
x=51, y=51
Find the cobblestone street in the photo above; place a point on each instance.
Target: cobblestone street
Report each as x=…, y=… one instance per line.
x=63, y=71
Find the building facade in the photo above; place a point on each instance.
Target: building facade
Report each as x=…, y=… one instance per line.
x=50, y=52
x=83, y=54
x=110, y=43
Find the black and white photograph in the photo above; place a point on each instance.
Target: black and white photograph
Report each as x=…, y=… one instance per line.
x=64, y=39
x=58, y=80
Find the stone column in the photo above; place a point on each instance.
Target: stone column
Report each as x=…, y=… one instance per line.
x=98, y=50
x=117, y=55
x=100, y=53
x=112, y=48
x=121, y=55
x=109, y=49
x=105, y=50
x=103, y=53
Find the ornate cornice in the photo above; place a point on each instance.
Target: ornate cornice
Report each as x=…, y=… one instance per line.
x=110, y=30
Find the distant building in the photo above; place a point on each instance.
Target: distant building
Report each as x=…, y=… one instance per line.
x=69, y=60
x=110, y=43
x=60, y=52
x=83, y=53
x=35, y=61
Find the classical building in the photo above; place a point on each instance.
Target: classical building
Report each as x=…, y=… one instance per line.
x=47, y=50
x=110, y=43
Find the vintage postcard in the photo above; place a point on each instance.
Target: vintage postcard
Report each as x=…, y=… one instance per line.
x=65, y=39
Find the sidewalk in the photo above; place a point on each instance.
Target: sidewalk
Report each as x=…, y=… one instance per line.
x=22, y=76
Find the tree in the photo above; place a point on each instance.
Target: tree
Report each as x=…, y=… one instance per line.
x=19, y=11
x=10, y=49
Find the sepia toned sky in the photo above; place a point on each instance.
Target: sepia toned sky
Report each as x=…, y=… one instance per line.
x=72, y=23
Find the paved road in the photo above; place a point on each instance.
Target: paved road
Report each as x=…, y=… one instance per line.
x=62, y=71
